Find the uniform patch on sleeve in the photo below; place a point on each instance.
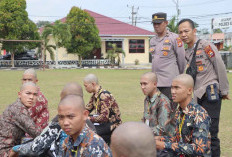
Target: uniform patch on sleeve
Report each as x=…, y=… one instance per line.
x=179, y=42
x=209, y=51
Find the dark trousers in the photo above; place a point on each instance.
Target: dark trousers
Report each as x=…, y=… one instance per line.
x=213, y=110
x=167, y=92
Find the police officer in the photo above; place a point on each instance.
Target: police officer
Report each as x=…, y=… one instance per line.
x=168, y=54
x=211, y=77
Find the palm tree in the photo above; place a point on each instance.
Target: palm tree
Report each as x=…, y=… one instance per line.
x=172, y=26
x=60, y=33
x=114, y=53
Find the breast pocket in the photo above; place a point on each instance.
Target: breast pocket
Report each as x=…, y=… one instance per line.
x=200, y=62
x=165, y=51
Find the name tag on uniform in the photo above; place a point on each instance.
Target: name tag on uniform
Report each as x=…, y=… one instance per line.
x=147, y=122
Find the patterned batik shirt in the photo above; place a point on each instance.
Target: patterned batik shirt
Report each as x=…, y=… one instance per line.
x=105, y=107
x=14, y=123
x=87, y=144
x=192, y=132
x=158, y=115
x=39, y=112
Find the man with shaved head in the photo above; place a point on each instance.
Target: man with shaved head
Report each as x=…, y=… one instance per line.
x=157, y=109
x=192, y=136
x=106, y=110
x=16, y=121
x=39, y=112
x=133, y=139
x=81, y=140
x=50, y=141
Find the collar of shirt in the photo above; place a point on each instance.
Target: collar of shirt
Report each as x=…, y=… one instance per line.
x=187, y=108
x=79, y=139
x=166, y=35
x=153, y=98
x=97, y=93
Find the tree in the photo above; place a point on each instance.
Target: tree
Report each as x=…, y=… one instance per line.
x=218, y=30
x=15, y=25
x=42, y=23
x=84, y=33
x=114, y=53
x=60, y=32
x=172, y=26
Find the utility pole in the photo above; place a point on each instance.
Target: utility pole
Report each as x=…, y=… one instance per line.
x=177, y=10
x=133, y=15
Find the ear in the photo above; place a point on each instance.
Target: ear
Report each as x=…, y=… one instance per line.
x=19, y=95
x=190, y=91
x=86, y=114
x=194, y=31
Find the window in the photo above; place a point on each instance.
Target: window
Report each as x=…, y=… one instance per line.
x=136, y=46
x=118, y=43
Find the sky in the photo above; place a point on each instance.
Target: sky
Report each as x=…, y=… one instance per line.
x=200, y=11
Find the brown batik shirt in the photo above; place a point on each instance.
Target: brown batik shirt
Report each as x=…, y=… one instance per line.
x=14, y=123
x=105, y=107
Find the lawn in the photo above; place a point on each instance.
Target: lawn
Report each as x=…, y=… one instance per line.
x=123, y=84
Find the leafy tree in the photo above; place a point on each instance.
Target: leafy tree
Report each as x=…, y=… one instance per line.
x=227, y=48
x=172, y=26
x=15, y=25
x=114, y=53
x=42, y=23
x=218, y=30
x=60, y=33
x=84, y=33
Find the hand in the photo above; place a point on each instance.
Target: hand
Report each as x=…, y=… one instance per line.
x=226, y=97
x=13, y=153
x=174, y=146
x=160, y=145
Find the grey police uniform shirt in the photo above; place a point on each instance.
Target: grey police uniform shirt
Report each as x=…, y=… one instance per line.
x=210, y=68
x=168, y=58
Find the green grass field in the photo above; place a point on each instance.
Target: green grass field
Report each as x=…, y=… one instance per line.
x=123, y=84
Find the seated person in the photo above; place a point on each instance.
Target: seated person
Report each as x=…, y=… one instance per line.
x=192, y=136
x=133, y=139
x=16, y=121
x=157, y=113
x=81, y=141
x=51, y=139
x=38, y=112
x=106, y=110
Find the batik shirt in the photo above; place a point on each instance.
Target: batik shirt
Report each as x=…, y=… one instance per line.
x=194, y=137
x=14, y=123
x=105, y=107
x=87, y=144
x=39, y=112
x=158, y=114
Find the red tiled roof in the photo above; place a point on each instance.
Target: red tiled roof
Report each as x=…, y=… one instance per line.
x=110, y=27
x=218, y=36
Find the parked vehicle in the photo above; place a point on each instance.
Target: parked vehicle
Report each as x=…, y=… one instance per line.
x=20, y=56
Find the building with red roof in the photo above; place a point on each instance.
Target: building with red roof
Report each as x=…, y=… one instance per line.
x=133, y=40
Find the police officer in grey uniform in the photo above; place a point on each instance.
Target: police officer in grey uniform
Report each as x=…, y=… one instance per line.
x=168, y=54
x=211, y=78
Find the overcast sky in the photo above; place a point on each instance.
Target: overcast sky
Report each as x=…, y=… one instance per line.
x=201, y=11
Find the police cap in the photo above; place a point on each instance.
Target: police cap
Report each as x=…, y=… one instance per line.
x=159, y=17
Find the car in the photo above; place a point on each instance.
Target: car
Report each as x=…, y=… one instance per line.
x=20, y=56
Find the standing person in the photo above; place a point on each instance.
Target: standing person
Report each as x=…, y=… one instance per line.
x=211, y=83
x=192, y=136
x=106, y=110
x=168, y=55
x=16, y=121
x=39, y=112
x=133, y=139
x=81, y=140
x=157, y=109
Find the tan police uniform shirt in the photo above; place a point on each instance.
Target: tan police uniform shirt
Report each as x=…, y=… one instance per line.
x=168, y=58
x=210, y=68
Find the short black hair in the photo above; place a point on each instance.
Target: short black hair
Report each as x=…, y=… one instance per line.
x=187, y=20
